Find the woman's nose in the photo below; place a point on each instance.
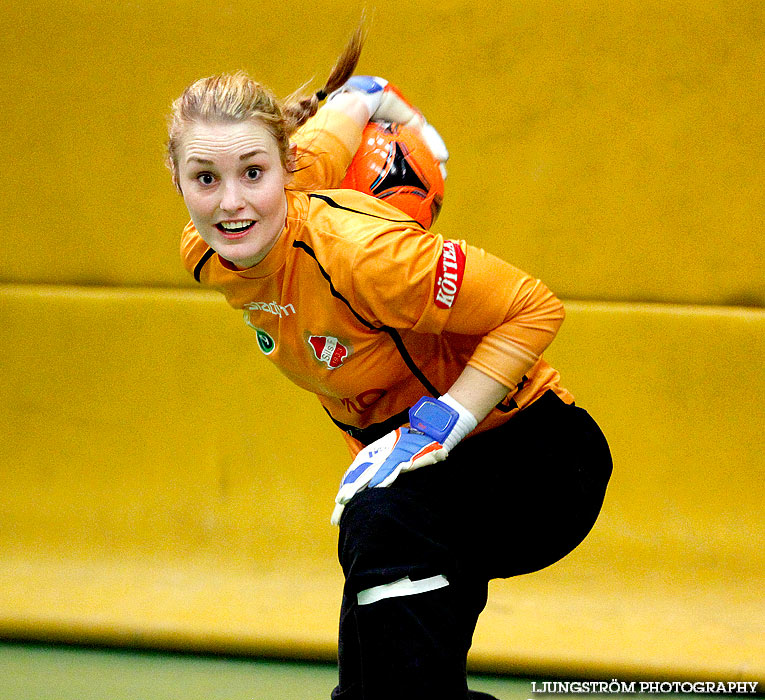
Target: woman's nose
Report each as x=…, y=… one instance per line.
x=232, y=197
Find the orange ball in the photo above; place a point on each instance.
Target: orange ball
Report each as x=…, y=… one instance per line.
x=394, y=163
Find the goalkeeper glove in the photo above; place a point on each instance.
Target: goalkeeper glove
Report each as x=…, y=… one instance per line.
x=435, y=427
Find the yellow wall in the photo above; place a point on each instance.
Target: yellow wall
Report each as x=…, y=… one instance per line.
x=612, y=149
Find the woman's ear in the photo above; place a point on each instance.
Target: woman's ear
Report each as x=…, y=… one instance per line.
x=292, y=158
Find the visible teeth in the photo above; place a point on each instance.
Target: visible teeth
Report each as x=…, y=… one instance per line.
x=234, y=226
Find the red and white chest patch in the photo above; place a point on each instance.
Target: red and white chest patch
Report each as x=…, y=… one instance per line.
x=328, y=350
x=451, y=268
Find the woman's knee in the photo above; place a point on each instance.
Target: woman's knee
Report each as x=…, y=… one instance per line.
x=387, y=534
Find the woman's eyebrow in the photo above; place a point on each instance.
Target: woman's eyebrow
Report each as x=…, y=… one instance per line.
x=249, y=154
x=244, y=156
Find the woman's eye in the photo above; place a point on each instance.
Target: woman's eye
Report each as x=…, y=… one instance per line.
x=205, y=178
x=253, y=173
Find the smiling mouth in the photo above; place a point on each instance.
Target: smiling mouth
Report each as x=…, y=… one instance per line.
x=235, y=229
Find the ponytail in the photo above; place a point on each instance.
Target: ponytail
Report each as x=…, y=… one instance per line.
x=299, y=108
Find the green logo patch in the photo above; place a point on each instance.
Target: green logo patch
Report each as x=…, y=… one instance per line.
x=265, y=342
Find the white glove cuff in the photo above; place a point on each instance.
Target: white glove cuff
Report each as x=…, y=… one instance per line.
x=435, y=143
x=393, y=108
x=466, y=424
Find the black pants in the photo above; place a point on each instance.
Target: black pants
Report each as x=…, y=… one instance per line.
x=506, y=502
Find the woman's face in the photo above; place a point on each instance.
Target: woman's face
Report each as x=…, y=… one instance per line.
x=232, y=179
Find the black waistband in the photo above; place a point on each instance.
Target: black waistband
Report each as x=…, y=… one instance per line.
x=366, y=436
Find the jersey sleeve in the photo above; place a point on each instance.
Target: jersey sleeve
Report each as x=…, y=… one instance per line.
x=517, y=316
x=431, y=285
x=326, y=144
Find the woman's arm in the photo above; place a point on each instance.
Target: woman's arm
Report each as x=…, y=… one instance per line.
x=352, y=105
x=477, y=392
x=327, y=142
x=515, y=316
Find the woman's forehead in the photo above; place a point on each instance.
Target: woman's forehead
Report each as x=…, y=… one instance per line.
x=239, y=139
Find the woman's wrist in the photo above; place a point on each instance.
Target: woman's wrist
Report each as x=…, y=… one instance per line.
x=466, y=422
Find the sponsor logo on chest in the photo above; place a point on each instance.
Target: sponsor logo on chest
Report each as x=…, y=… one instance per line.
x=270, y=308
x=449, y=273
x=273, y=308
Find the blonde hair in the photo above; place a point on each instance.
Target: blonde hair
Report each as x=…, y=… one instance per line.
x=236, y=97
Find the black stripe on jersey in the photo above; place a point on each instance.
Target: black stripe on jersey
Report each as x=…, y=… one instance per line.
x=392, y=332
x=198, y=267
x=332, y=203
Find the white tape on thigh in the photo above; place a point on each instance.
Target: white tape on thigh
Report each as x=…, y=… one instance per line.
x=403, y=587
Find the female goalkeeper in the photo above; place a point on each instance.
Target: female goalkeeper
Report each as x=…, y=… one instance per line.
x=426, y=352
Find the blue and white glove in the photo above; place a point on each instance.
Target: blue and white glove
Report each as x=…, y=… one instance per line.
x=386, y=103
x=435, y=427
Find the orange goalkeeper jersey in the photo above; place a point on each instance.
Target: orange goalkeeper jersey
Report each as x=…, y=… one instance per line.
x=359, y=305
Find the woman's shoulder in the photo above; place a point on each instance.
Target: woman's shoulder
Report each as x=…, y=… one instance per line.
x=356, y=217
x=193, y=248
x=346, y=228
